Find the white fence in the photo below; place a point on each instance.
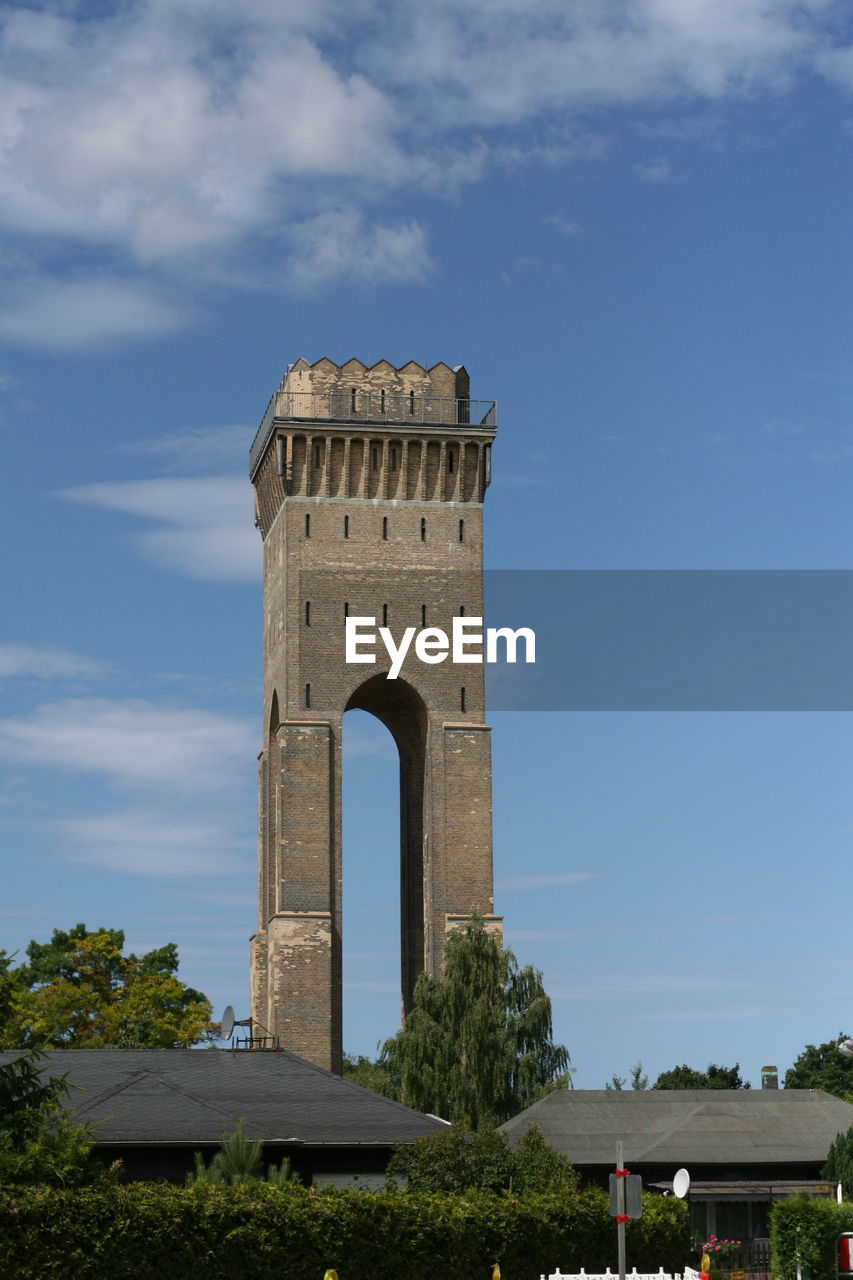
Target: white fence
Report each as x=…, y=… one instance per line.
x=688, y=1274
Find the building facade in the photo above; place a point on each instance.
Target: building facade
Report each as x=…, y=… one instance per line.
x=369, y=486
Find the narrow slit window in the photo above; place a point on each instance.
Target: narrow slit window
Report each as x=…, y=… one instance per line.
x=352, y=400
x=308, y=695
x=385, y=615
x=346, y=526
x=423, y=615
x=375, y=455
x=461, y=611
x=307, y=526
x=393, y=459
x=382, y=402
x=308, y=613
x=462, y=697
x=450, y=463
x=385, y=528
x=423, y=529
x=346, y=608
x=461, y=530
x=412, y=403
x=316, y=455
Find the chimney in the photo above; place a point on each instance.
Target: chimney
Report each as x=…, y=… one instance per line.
x=769, y=1078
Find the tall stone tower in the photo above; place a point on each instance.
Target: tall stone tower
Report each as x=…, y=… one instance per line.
x=369, y=486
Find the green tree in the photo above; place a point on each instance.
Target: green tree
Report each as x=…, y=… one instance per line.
x=839, y=1162
x=457, y=1161
x=639, y=1079
x=239, y=1160
x=80, y=991
x=38, y=1142
x=714, y=1077
x=821, y=1066
x=477, y=1046
x=377, y=1076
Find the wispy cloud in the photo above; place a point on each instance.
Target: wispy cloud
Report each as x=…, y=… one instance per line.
x=46, y=662
x=564, y=225
x=544, y=880
x=205, y=524
x=73, y=315
x=653, y=171
x=180, y=138
x=340, y=245
x=132, y=742
x=195, y=450
x=153, y=842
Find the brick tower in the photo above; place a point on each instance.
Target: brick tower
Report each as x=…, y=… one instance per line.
x=369, y=487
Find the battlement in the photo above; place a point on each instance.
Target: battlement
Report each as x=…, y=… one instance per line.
x=410, y=396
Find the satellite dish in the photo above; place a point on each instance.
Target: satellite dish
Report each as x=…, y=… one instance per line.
x=681, y=1183
x=846, y=1048
x=227, y=1025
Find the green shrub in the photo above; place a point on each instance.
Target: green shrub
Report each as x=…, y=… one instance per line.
x=153, y=1231
x=808, y=1228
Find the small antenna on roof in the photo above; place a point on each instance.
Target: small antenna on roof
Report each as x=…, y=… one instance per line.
x=251, y=1041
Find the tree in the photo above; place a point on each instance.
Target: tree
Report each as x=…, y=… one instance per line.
x=457, y=1161
x=639, y=1079
x=839, y=1162
x=822, y=1067
x=715, y=1077
x=377, y=1075
x=476, y=1048
x=239, y=1160
x=38, y=1142
x=80, y=991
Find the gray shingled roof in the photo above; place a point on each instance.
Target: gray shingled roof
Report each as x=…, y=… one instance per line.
x=186, y=1096
x=698, y=1126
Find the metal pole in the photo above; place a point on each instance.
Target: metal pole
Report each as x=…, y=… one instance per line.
x=620, y=1209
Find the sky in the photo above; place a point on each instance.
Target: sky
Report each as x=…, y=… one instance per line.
x=631, y=222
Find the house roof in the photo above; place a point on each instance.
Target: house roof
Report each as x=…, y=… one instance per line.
x=688, y=1126
x=192, y=1096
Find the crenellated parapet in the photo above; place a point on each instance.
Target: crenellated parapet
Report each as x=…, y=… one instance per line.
x=354, y=432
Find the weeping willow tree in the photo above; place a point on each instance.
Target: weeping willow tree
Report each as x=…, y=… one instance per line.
x=477, y=1046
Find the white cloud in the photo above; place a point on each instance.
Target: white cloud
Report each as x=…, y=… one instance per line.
x=84, y=313
x=134, y=743
x=653, y=171
x=172, y=133
x=154, y=843
x=46, y=662
x=340, y=245
x=206, y=523
x=195, y=449
x=563, y=225
x=544, y=880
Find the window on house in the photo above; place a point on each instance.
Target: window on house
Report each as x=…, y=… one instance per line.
x=308, y=613
x=352, y=400
x=346, y=526
x=385, y=615
x=412, y=403
x=462, y=697
x=461, y=611
x=393, y=459
x=461, y=530
x=382, y=402
x=423, y=615
x=346, y=608
x=375, y=453
x=450, y=461
x=385, y=528
x=316, y=455
x=308, y=695
x=423, y=529
x=307, y=526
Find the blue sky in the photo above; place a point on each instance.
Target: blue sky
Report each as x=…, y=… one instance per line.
x=631, y=222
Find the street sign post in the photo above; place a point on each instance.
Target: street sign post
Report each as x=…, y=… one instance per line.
x=626, y=1202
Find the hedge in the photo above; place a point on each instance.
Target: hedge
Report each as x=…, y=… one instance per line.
x=153, y=1231
x=809, y=1228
